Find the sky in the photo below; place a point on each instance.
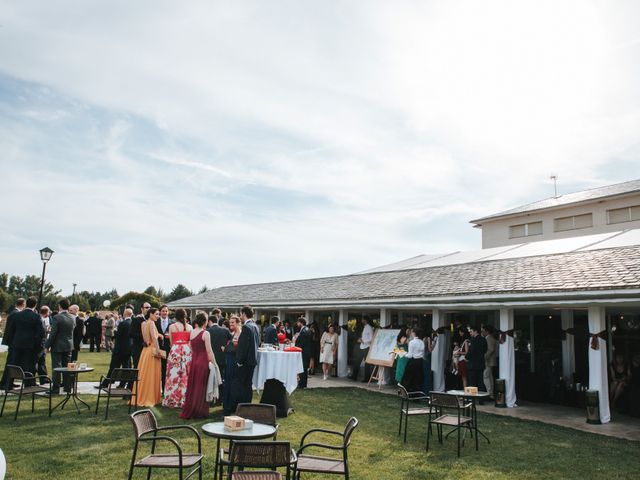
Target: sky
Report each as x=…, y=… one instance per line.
x=224, y=143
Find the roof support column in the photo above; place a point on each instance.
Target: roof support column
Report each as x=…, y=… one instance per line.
x=343, y=346
x=385, y=317
x=308, y=314
x=440, y=350
x=507, y=356
x=281, y=315
x=598, y=360
x=568, y=347
x=385, y=321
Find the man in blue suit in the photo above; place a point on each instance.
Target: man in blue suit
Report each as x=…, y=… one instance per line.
x=246, y=359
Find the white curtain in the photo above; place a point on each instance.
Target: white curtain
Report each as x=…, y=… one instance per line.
x=438, y=362
x=508, y=370
x=598, y=362
x=568, y=348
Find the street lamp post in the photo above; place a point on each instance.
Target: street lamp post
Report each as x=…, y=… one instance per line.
x=45, y=256
x=74, y=290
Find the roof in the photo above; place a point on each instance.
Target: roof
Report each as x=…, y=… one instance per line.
x=625, y=188
x=597, y=270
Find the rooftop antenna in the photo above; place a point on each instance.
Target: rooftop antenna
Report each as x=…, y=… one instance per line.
x=555, y=185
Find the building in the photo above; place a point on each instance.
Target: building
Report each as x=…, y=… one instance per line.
x=563, y=303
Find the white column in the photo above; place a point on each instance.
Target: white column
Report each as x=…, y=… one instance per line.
x=343, y=346
x=440, y=352
x=281, y=315
x=508, y=358
x=308, y=314
x=568, y=348
x=385, y=321
x=385, y=317
x=598, y=361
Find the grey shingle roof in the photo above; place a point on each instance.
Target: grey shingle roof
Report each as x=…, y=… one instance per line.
x=577, y=197
x=605, y=269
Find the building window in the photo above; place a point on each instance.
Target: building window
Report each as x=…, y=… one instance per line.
x=574, y=222
x=525, y=230
x=621, y=215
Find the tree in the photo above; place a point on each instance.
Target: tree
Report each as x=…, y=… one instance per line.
x=136, y=299
x=179, y=291
x=203, y=289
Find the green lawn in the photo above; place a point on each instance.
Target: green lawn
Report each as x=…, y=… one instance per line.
x=73, y=446
x=99, y=361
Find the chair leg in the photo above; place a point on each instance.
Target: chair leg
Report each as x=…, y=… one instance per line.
x=406, y=420
x=428, y=433
x=98, y=401
x=33, y=402
x=18, y=407
x=3, y=402
x=149, y=473
x=458, y=429
x=400, y=425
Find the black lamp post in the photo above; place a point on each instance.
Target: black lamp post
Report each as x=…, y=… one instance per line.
x=45, y=256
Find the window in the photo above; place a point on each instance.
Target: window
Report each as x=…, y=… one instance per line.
x=574, y=222
x=525, y=230
x=621, y=215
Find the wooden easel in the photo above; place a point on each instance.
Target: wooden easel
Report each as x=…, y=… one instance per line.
x=377, y=374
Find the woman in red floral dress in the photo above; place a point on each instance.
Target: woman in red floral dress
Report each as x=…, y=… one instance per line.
x=178, y=362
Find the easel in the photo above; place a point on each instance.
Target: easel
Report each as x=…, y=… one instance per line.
x=378, y=375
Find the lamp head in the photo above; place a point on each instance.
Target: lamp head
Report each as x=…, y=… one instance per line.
x=45, y=254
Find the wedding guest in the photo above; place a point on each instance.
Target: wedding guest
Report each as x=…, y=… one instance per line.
x=27, y=334
x=427, y=383
x=303, y=341
x=6, y=340
x=137, y=343
x=282, y=335
x=121, y=354
x=620, y=375
x=230, y=360
x=364, y=342
x=288, y=329
x=42, y=354
x=219, y=336
x=60, y=342
x=413, y=377
x=178, y=361
x=109, y=326
x=460, y=355
x=246, y=359
x=490, y=358
x=195, y=404
x=78, y=331
x=475, y=358
x=328, y=349
x=402, y=343
x=149, y=364
x=164, y=338
x=94, y=331
x=314, y=348
x=271, y=332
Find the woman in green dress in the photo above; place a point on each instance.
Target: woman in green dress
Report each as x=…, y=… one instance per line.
x=402, y=343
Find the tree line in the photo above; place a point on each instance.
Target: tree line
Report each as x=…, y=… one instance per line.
x=13, y=287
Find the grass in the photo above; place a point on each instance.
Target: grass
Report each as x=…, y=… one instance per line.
x=73, y=446
x=99, y=361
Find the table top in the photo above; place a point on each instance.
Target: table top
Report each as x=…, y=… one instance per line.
x=462, y=393
x=282, y=366
x=73, y=370
x=256, y=432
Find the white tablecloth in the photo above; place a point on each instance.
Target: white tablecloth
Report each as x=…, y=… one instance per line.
x=283, y=366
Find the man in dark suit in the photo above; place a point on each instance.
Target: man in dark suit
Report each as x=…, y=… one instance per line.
x=60, y=342
x=6, y=340
x=271, y=332
x=475, y=358
x=219, y=336
x=94, y=331
x=137, y=343
x=163, y=323
x=246, y=359
x=78, y=332
x=304, y=342
x=27, y=334
x=121, y=353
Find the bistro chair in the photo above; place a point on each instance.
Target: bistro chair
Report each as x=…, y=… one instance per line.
x=421, y=407
x=260, y=413
x=125, y=376
x=321, y=464
x=258, y=454
x=146, y=429
x=268, y=475
x=15, y=372
x=447, y=402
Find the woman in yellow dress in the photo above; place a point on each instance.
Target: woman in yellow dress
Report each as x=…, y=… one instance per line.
x=149, y=368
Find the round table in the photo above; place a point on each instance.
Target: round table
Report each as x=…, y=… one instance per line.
x=216, y=429
x=73, y=388
x=473, y=397
x=277, y=376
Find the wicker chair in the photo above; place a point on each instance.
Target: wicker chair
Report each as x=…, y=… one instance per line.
x=268, y=475
x=331, y=465
x=146, y=430
x=442, y=402
x=15, y=372
x=125, y=376
x=257, y=454
x=422, y=407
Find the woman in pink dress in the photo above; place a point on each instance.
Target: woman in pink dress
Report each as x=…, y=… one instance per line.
x=178, y=362
x=196, y=405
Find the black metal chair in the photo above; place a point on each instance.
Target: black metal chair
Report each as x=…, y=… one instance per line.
x=268, y=475
x=257, y=454
x=146, y=430
x=447, y=402
x=125, y=376
x=14, y=373
x=320, y=464
x=421, y=407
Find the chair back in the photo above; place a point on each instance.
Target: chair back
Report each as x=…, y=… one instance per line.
x=402, y=392
x=348, y=430
x=444, y=400
x=270, y=475
x=124, y=375
x=144, y=421
x=257, y=454
x=14, y=372
x=258, y=412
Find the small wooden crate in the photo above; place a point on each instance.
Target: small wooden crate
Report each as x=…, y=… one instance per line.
x=233, y=422
x=471, y=390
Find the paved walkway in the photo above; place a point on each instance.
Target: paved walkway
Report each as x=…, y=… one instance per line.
x=621, y=426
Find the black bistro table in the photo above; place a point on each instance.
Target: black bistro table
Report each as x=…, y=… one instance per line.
x=473, y=398
x=216, y=429
x=73, y=392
